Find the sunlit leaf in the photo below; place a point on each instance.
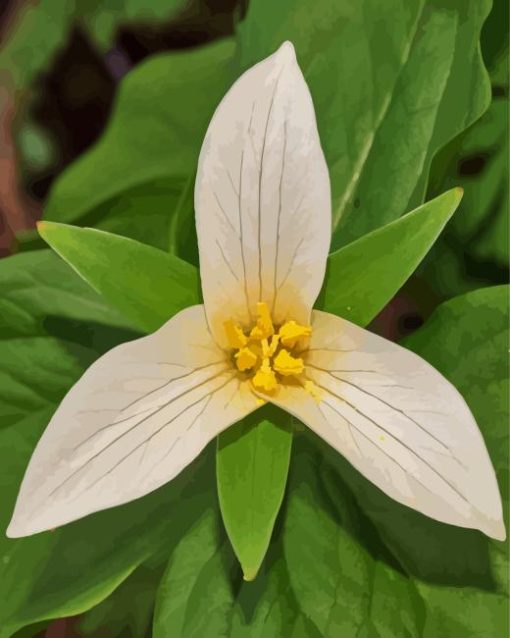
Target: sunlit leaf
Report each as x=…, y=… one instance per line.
x=146, y=284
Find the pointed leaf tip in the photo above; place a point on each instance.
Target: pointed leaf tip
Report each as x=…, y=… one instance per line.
x=252, y=464
x=249, y=575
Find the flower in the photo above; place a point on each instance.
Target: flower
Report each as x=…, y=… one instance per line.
x=146, y=409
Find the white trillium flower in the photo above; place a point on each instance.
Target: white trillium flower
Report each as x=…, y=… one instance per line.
x=146, y=409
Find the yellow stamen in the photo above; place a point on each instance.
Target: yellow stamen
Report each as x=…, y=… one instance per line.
x=236, y=337
x=291, y=332
x=265, y=378
x=287, y=365
x=275, y=339
x=266, y=354
x=245, y=359
x=264, y=327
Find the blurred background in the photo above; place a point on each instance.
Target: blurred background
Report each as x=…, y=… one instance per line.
x=61, y=62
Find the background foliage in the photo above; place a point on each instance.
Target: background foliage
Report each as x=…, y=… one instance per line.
x=406, y=110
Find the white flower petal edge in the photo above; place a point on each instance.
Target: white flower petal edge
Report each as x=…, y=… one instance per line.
x=136, y=418
x=399, y=422
x=262, y=199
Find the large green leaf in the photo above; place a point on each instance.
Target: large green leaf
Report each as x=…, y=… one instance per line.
x=475, y=248
x=155, y=133
x=252, y=463
x=203, y=594
x=423, y=90
x=364, y=275
x=144, y=283
x=348, y=561
x=391, y=83
x=53, y=328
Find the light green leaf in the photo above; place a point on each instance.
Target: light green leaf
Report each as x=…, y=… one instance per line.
x=252, y=463
x=53, y=327
x=155, y=133
x=144, y=283
x=363, y=276
x=391, y=83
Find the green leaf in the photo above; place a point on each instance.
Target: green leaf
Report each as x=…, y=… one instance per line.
x=203, y=593
x=252, y=463
x=136, y=595
x=417, y=80
x=363, y=276
x=53, y=326
x=144, y=212
x=144, y=283
x=423, y=90
x=467, y=339
x=163, y=108
x=347, y=560
x=39, y=291
x=475, y=247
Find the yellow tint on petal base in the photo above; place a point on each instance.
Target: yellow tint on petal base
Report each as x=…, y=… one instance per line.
x=266, y=352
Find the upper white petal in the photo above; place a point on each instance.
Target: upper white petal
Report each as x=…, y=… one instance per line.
x=400, y=423
x=135, y=419
x=262, y=198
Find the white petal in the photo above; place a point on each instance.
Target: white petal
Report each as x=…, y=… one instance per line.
x=135, y=419
x=262, y=198
x=400, y=423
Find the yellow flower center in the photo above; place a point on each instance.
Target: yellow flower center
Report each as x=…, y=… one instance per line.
x=266, y=352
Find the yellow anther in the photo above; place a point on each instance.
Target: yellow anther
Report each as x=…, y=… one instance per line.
x=273, y=345
x=264, y=327
x=265, y=378
x=291, y=332
x=236, y=337
x=312, y=389
x=245, y=359
x=287, y=365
